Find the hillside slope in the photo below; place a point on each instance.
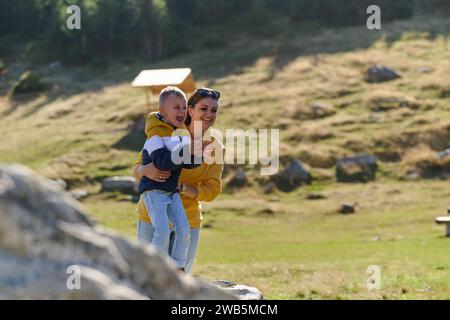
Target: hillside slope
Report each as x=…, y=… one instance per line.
x=81, y=128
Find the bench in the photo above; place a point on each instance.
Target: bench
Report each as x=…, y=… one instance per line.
x=444, y=220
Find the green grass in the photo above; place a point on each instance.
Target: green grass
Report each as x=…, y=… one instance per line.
x=306, y=250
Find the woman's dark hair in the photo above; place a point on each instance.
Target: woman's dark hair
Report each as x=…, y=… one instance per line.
x=191, y=103
x=198, y=95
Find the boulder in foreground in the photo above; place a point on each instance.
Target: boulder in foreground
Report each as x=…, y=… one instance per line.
x=47, y=240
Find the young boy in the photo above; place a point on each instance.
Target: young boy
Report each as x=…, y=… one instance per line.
x=161, y=199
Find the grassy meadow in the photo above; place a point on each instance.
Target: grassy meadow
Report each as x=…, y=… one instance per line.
x=282, y=243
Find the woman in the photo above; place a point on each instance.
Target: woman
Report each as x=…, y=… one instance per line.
x=200, y=184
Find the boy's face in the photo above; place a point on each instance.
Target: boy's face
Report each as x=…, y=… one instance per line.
x=174, y=110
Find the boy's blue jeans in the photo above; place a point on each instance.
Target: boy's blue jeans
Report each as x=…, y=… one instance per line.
x=145, y=233
x=164, y=207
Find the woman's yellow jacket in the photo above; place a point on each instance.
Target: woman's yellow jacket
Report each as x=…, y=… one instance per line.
x=206, y=178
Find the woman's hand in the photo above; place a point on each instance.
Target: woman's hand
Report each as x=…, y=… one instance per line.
x=189, y=191
x=153, y=173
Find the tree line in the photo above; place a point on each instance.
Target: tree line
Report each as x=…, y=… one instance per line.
x=158, y=28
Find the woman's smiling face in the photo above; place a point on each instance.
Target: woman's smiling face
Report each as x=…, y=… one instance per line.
x=205, y=111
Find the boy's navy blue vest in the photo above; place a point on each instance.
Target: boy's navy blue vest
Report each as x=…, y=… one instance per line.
x=162, y=159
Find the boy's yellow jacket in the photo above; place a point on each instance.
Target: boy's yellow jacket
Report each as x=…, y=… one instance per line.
x=206, y=178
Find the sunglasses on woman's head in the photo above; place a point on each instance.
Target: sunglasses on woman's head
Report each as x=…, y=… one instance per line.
x=204, y=93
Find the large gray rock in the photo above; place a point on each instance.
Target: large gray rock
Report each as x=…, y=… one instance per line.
x=378, y=74
x=122, y=184
x=238, y=180
x=292, y=177
x=361, y=168
x=44, y=232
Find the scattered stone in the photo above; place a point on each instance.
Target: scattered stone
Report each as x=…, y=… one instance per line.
x=387, y=102
x=443, y=154
x=361, y=168
x=238, y=180
x=347, y=208
x=28, y=82
x=314, y=111
x=122, y=184
x=292, y=177
x=322, y=110
x=425, y=70
x=78, y=194
x=315, y=196
x=413, y=176
x=46, y=236
x=242, y=292
x=269, y=188
x=379, y=74
x=266, y=211
x=60, y=183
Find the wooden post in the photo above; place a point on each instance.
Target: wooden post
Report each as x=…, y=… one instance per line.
x=148, y=99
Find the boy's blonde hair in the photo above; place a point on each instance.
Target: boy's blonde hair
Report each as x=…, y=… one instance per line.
x=170, y=91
